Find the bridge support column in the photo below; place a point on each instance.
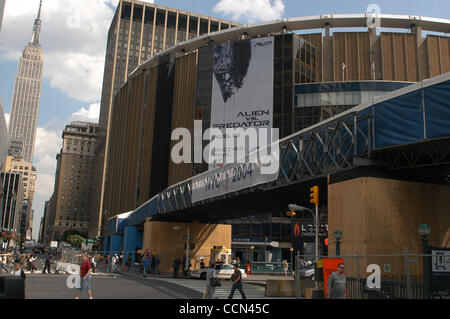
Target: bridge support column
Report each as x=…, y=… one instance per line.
x=116, y=244
x=107, y=245
x=167, y=240
x=130, y=243
x=381, y=216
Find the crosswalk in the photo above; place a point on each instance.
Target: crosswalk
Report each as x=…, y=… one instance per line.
x=251, y=291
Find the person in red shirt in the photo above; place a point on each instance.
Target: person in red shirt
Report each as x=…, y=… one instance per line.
x=85, y=278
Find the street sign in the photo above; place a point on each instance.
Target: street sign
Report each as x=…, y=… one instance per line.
x=187, y=237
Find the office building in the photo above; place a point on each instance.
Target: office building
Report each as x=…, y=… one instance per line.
x=73, y=197
x=314, y=76
x=11, y=205
x=27, y=93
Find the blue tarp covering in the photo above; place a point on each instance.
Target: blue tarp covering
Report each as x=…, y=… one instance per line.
x=147, y=210
x=399, y=120
x=437, y=110
x=402, y=120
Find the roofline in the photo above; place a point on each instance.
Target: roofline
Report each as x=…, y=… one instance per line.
x=304, y=23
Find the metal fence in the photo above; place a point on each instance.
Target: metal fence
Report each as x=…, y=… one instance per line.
x=397, y=276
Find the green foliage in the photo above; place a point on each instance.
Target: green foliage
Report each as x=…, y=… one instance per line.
x=68, y=233
x=75, y=240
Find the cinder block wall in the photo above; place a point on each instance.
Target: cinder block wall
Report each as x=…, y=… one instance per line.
x=166, y=240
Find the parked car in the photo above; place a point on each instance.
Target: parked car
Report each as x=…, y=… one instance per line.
x=308, y=272
x=225, y=272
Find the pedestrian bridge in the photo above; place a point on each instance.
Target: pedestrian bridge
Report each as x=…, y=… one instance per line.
x=402, y=130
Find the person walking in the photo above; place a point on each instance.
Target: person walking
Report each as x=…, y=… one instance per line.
x=336, y=283
x=115, y=262
x=3, y=263
x=127, y=264
x=85, y=278
x=157, y=262
x=237, y=282
x=93, y=263
x=211, y=290
x=47, y=264
x=146, y=261
x=107, y=260
x=176, y=267
x=285, y=267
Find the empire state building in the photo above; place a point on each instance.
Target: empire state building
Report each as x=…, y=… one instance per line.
x=27, y=93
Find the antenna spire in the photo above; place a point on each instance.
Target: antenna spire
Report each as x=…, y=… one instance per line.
x=37, y=27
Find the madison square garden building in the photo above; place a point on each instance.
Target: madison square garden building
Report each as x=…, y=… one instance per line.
x=265, y=75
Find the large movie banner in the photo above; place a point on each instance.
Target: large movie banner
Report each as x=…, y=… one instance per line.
x=242, y=90
x=242, y=98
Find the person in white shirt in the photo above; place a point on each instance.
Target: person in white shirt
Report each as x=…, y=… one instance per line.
x=211, y=273
x=3, y=260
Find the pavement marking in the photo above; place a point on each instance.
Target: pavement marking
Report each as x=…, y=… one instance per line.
x=222, y=292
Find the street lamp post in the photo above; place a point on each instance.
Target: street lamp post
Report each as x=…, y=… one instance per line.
x=338, y=235
x=424, y=230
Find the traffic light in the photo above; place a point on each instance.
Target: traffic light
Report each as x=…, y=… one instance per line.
x=314, y=196
x=290, y=213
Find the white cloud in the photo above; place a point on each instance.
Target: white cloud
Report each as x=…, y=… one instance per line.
x=87, y=115
x=73, y=39
x=251, y=10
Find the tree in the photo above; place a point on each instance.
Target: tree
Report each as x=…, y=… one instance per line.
x=75, y=240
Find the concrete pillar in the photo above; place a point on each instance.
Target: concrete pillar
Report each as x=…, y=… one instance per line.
x=130, y=243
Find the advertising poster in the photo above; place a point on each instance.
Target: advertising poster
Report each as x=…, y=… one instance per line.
x=242, y=98
x=242, y=90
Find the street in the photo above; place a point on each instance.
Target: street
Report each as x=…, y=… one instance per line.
x=131, y=286
x=53, y=286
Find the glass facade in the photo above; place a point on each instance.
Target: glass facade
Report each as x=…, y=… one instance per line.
x=317, y=102
x=305, y=61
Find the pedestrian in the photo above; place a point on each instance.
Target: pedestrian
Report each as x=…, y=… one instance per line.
x=115, y=262
x=211, y=273
x=128, y=264
x=336, y=283
x=31, y=264
x=3, y=263
x=93, y=263
x=285, y=267
x=202, y=264
x=237, y=282
x=176, y=267
x=157, y=262
x=47, y=264
x=107, y=260
x=85, y=278
x=146, y=261
x=18, y=272
x=152, y=264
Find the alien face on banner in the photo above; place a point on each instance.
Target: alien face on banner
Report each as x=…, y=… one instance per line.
x=231, y=62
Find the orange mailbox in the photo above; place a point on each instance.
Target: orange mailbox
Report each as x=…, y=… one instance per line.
x=330, y=265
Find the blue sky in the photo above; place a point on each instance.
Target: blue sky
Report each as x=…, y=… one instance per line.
x=74, y=41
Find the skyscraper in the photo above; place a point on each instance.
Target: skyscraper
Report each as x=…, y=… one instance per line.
x=138, y=31
x=27, y=93
x=2, y=9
